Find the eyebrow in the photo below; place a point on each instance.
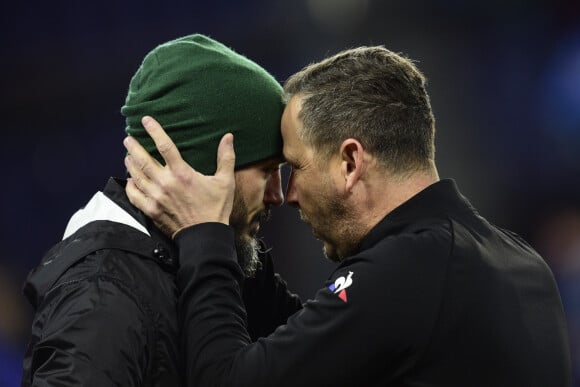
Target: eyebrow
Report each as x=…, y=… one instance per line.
x=276, y=163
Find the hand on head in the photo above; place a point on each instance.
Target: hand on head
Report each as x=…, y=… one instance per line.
x=176, y=196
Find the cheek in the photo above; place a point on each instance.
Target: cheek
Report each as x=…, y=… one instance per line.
x=256, y=195
x=252, y=189
x=264, y=188
x=309, y=191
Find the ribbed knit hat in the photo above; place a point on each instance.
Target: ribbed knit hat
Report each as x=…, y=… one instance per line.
x=198, y=89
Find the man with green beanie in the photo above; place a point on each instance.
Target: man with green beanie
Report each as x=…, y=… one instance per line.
x=104, y=297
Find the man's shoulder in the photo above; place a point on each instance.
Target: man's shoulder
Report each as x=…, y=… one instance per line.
x=429, y=236
x=102, y=251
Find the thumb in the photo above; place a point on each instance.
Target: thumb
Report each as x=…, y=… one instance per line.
x=226, y=157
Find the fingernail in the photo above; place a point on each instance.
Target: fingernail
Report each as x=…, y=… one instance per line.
x=145, y=120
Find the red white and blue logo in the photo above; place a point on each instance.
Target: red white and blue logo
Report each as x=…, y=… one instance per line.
x=340, y=284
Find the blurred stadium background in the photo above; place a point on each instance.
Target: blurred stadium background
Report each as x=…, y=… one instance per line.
x=504, y=80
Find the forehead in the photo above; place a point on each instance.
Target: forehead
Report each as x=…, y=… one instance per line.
x=257, y=170
x=291, y=123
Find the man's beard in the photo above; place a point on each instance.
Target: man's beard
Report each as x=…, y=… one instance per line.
x=334, y=225
x=247, y=246
x=247, y=250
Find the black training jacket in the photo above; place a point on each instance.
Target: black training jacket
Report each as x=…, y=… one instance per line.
x=436, y=296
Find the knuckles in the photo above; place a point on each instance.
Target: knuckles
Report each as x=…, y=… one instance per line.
x=183, y=174
x=165, y=147
x=167, y=184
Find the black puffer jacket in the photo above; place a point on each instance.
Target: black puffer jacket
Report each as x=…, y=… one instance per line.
x=105, y=303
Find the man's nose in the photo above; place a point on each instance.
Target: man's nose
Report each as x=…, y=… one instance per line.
x=274, y=195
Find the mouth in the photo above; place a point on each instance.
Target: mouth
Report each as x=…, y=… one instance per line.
x=261, y=217
x=257, y=220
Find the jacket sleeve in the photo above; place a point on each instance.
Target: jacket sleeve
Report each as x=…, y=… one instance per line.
x=267, y=299
x=360, y=328
x=89, y=333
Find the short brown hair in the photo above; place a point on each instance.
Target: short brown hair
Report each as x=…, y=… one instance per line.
x=373, y=95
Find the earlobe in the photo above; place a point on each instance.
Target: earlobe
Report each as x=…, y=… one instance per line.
x=352, y=163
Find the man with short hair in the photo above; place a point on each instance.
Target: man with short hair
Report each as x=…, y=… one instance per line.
x=426, y=292
x=105, y=296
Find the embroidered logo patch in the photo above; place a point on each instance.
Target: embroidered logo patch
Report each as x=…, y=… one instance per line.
x=340, y=284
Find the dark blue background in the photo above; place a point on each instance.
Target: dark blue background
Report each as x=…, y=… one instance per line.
x=504, y=79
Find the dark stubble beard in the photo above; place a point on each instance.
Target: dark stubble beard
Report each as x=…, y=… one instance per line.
x=247, y=246
x=335, y=223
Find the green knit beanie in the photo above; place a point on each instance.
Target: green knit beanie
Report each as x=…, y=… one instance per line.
x=199, y=90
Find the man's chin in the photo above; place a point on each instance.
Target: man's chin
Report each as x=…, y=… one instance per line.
x=303, y=217
x=247, y=251
x=330, y=252
x=253, y=229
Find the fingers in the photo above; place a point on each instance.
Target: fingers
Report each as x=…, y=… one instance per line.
x=145, y=204
x=226, y=157
x=135, y=195
x=164, y=145
x=142, y=160
x=139, y=173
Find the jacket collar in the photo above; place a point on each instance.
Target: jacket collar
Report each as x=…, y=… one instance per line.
x=115, y=190
x=438, y=200
x=89, y=234
x=101, y=207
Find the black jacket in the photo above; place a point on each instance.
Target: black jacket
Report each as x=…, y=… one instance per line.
x=105, y=304
x=436, y=296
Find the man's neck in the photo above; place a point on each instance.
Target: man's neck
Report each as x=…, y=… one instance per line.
x=387, y=192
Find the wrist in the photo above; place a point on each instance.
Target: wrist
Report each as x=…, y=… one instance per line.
x=176, y=233
x=206, y=231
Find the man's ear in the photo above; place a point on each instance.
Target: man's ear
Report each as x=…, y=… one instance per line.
x=353, y=163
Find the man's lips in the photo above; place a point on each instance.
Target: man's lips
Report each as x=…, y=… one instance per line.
x=262, y=216
x=257, y=220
